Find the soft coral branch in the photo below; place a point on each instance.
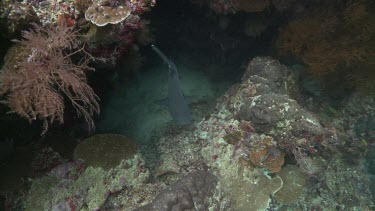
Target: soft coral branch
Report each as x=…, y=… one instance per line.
x=37, y=88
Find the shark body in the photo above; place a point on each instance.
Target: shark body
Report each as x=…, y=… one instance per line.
x=177, y=103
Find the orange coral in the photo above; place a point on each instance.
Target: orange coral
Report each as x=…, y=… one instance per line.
x=266, y=155
x=270, y=157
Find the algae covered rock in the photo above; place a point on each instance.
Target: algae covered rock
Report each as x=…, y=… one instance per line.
x=248, y=187
x=189, y=193
x=269, y=111
x=91, y=189
x=39, y=193
x=105, y=150
x=264, y=99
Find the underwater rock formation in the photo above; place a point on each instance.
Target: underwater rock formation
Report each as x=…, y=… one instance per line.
x=264, y=100
x=230, y=146
x=227, y=143
x=91, y=189
x=226, y=162
x=192, y=192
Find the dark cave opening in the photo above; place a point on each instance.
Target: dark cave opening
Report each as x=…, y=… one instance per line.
x=185, y=27
x=210, y=51
x=191, y=35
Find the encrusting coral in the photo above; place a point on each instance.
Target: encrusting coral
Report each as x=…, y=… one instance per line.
x=101, y=13
x=264, y=153
x=269, y=157
x=294, y=184
x=105, y=150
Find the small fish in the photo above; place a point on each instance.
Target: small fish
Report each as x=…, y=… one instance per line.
x=364, y=142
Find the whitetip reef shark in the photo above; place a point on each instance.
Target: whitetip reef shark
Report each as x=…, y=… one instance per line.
x=177, y=104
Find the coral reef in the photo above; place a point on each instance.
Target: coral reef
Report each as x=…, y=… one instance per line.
x=228, y=143
x=124, y=38
x=49, y=12
x=299, y=139
x=83, y=15
x=228, y=160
